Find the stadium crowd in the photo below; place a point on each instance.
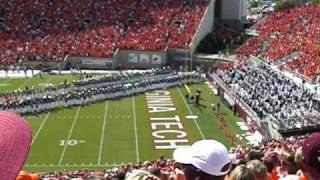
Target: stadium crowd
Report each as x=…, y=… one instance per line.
x=269, y=93
x=289, y=159
x=50, y=30
x=92, y=89
x=290, y=30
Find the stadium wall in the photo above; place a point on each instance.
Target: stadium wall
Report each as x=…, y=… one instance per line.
x=184, y=56
x=52, y=64
x=91, y=62
x=176, y=55
x=205, y=27
x=139, y=59
x=123, y=59
x=234, y=11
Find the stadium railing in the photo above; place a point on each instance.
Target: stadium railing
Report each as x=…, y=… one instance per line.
x=250, y=115
x=253, y=115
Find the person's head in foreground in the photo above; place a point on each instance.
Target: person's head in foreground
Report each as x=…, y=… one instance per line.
x=15, y=140
x=141, y=175
x=241, y=172
x=204, y=160
x=258, y=169
x=23, y=175
x=311, y=156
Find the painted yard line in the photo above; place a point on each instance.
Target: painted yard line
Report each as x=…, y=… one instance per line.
x=40, y=128
x=103, y=131
x=135, y=128
x=43, y=122
x=190, y=111
x=69, y=135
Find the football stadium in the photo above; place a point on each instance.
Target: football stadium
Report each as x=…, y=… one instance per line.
x=160, y=90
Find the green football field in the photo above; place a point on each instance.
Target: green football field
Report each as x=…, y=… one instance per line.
x=108, y=133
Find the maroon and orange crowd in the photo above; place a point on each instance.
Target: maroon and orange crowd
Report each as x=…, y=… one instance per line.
x=50, y=30
x=289, y=30
x=274, y=160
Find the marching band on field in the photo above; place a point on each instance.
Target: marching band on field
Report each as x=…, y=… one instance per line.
x=91, y=89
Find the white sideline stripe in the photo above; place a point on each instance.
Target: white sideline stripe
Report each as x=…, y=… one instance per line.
x=195, y=122
x=103, y=130
x=69, y=135
x=40, y=128
x=135, y=128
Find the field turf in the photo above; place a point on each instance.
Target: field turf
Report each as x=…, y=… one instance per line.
x=108, y=133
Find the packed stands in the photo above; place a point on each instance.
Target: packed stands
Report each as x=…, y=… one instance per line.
x=286, y=31
x=49, y=30
x=269, y=93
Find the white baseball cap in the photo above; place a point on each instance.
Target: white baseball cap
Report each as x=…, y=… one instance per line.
x=210, y=156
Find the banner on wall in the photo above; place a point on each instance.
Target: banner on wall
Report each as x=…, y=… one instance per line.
x=156, y=59
x=133, y=58
x=144, y=59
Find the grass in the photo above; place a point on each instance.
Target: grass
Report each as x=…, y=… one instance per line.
x=111, y=132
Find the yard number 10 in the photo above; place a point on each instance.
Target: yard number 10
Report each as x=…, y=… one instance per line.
x=71, y=142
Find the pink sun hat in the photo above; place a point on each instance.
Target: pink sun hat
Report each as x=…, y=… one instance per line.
x=15, y=140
